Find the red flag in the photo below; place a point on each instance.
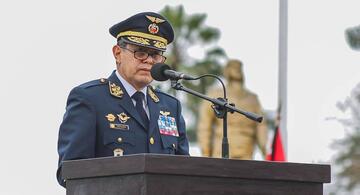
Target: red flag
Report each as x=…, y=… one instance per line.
x=277, y=150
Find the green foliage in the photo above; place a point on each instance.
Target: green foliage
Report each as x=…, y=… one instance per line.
x=190, y=30
x=348, y=157
x=353, y=37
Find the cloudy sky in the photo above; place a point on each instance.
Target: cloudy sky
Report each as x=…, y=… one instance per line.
x=48, y=47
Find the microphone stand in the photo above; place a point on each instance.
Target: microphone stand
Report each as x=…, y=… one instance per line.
x=221, y=107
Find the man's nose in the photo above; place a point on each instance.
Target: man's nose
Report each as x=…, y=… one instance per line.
x=149, y=59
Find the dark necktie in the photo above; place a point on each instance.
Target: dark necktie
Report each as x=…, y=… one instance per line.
x=139, y=97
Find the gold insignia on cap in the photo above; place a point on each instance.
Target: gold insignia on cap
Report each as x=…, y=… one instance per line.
x=153, y=28
x=153, y=96
x=110, y=117
x=164, y=113
x=159, y=44
x=155, y=19
x=115, y=90
x=123, y=117
x=143, y=35
x=139, y=40
x=118, y=152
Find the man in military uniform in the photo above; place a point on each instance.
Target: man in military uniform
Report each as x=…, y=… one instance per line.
x=243, y=133
x=123, y=114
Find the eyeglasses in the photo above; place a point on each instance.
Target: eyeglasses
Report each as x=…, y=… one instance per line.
x=142, y=55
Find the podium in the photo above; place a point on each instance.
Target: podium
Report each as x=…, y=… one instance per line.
x=154, y=174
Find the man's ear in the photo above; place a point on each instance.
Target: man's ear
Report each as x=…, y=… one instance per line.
x=116, y=52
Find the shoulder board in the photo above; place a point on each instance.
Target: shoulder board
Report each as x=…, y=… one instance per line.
x=93, y=83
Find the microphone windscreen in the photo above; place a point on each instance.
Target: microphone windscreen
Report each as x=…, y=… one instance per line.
x=157, y=71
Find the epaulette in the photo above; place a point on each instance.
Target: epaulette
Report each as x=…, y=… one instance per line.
x=93, y=83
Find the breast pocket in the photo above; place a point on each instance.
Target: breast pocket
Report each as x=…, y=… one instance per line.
x=169, y=143
x=114, y=139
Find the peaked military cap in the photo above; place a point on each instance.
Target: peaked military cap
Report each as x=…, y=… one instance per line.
x=147, y=29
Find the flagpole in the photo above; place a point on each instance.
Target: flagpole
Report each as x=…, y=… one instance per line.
x=282, y=85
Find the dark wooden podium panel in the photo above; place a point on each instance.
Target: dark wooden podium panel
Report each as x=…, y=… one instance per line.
x=147, y=174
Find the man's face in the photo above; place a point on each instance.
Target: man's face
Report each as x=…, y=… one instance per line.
x=133, y=70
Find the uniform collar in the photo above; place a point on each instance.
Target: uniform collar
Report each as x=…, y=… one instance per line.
x=129, y=88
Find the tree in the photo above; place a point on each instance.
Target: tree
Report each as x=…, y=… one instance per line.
x=190, y=30
x=348, y=157
x=353, y=37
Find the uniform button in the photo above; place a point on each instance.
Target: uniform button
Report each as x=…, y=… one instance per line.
x=119, y=139
x=152, y=141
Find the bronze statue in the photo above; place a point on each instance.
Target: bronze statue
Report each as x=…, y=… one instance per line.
x=243, y=133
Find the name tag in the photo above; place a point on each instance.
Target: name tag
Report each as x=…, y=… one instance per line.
x=119, y=126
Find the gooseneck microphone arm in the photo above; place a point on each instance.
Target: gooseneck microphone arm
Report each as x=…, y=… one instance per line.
x=221, y=107
x=217, y=78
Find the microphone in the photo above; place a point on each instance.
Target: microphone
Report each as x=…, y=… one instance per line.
x=163, y=72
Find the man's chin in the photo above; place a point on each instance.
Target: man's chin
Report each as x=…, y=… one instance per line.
x=145, y=80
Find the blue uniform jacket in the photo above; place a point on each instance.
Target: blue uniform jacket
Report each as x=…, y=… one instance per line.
x=101, y=120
